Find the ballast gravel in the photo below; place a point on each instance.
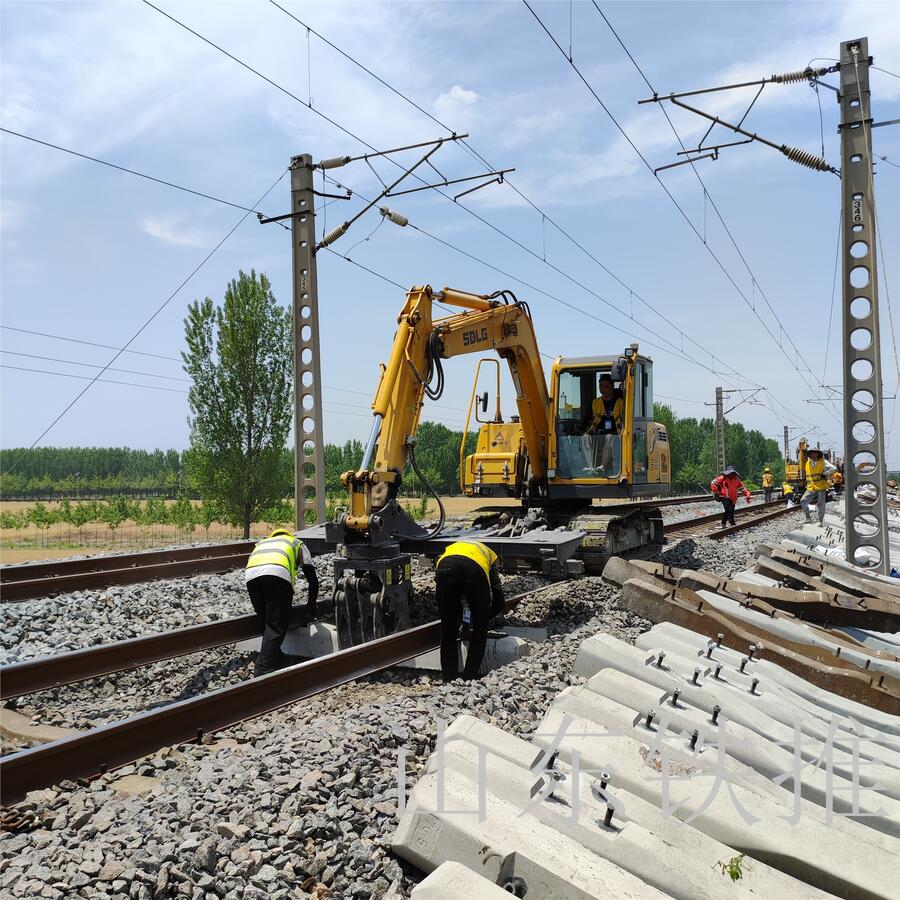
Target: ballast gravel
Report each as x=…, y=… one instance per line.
x=302, y=802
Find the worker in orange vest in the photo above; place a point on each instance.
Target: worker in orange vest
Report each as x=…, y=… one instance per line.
x=726, y=489
x=468, y=590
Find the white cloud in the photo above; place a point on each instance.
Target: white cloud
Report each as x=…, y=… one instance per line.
x=453, y=103
x=169, y=230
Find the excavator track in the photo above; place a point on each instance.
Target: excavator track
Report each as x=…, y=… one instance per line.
x=614, y=532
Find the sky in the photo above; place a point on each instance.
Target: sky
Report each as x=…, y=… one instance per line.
x=89, y=253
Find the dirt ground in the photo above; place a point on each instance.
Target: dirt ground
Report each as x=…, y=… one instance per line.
x=61, y=540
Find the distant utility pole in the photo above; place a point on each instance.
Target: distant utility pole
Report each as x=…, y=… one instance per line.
x=309, y=453
x=866, y=498
x=720, y=432
x=787, y=445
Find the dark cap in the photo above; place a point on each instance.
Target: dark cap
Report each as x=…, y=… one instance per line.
x=730, y=470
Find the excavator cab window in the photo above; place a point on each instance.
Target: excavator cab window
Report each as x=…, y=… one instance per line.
x=589, y=419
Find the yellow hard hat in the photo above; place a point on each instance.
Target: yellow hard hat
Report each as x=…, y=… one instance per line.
x=767, y=469
x=284, y=531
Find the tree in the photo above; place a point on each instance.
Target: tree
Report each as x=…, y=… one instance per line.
x=239, y=360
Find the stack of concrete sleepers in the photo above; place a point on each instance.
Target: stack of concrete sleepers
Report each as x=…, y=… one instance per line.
x=788, y=622
x=692, y=765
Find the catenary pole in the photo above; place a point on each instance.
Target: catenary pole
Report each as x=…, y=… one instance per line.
x=309, y=456
x=720, y=432
x=864, y=471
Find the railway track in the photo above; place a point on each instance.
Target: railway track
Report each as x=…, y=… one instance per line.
x=45, y=672
x=29, y=582
x=745, y=517
x=94, y=752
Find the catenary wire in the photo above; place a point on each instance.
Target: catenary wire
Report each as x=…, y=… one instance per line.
x=538, y=290
x=509, y=182
x=768, y=399
x=333, y=122
x=73, y=362
x=328, y=406
x=111, y=165
x=707, y=195
x=446, y=196
x=59, y=337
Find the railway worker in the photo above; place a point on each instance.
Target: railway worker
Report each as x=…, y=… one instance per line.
x=838, y=481
x=787, y=492
x=468, y=579
x=817, y=471
x=270, y=575
x=767, y=482
x=608, y=412
x=726, y=487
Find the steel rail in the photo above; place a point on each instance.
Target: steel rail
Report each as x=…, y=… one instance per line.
x=18, y=583
x=750, y=522
x=44, y=672
x=91, y=753
x=697, y=525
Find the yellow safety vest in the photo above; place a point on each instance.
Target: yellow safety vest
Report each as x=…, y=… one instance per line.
x=484, y=556
x=277, y=551
x=815, y=475
x=786, y=489
x=767, y=479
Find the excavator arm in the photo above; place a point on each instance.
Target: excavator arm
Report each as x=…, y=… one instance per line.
x=414, y=371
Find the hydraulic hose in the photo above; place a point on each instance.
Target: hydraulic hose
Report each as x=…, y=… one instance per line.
x=412, y=461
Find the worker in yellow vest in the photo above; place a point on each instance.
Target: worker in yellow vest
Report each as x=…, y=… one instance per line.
x=838, y=481
x=270, y=575
x=787, y=492
x=817, y=471
x=468, y=590
x=767, y=481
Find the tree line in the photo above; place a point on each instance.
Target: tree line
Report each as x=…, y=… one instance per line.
x=62, y=470
x=692, y=443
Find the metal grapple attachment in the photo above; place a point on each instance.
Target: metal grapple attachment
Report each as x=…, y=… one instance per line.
x=372, y=593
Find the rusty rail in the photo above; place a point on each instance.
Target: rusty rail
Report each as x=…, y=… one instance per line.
x=44, y=672
x=93, y=752
x=750, y=522
x=699, y=525
x=18, y=583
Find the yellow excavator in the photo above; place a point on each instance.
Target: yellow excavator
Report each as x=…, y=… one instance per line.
x=589, y=437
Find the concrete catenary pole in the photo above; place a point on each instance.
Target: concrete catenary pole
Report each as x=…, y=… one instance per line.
x=864, y=470
x=309, y=453
x=720, y=432
x=787, y=446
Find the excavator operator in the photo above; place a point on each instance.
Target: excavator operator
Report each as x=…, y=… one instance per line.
x=608, y=412
x=468, y=581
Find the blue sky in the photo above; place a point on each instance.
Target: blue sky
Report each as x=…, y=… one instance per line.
x=89, y=253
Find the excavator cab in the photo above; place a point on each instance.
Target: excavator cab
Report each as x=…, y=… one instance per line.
x=604, y=442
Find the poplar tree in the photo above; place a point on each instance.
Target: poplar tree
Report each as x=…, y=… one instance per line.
x=239, y=359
